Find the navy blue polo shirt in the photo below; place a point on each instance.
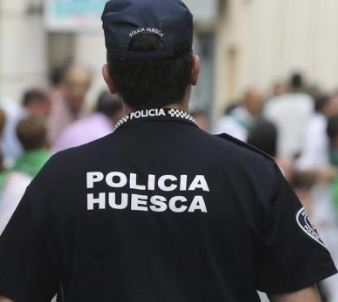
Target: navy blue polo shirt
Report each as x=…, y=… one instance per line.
x=160, y=211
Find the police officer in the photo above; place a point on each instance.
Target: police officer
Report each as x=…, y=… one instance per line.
x=159, y=210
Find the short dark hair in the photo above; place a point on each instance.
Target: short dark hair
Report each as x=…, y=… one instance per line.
x=33, y=95
x=321, y=102
x=332, y=127
x=264, y=136
x=32, y=132
x=150, y=83
x=58, y=72
x=296, y=81
x=108, y=104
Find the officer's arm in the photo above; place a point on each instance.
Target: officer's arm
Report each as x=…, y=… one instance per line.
x=309, y=294
x=3, y=299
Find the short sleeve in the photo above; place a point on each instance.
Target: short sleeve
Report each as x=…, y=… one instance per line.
x=293, y=255
x=27, y=271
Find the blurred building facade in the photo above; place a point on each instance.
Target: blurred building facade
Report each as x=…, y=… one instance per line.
x=241, y=43
x=23, y=56
x=287, y=35
x=261, y=42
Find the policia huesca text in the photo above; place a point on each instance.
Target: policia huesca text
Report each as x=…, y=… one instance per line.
x=159, y=211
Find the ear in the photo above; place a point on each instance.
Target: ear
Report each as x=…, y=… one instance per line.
x=109, y=81
x=195, y=70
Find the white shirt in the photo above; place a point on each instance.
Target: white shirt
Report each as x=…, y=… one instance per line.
x=290, y=113
x=13, y=190
x=231, y=124
x=315, y=151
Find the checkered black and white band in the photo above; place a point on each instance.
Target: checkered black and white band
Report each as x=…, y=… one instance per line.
x=156, y=113
x=122, y=121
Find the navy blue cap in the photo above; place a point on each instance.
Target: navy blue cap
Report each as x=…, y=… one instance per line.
x=171, y=20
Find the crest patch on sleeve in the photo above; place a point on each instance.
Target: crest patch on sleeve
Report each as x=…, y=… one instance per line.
x=307, y=226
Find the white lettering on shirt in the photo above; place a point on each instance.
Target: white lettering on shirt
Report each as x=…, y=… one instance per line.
x=114, y=204
x=100, y=201
x=173, y=187
x=139, y=202
x=120, y=177
x=163, y=183
x=198, y=204
x=199, y=183
x=158, y=204
x=133, y=183
x=93, y=177
x=175, y=204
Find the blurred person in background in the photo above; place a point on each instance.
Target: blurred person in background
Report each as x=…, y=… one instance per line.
x=333, y=135
x=56, y=77
x=315, y=144
x=2, y=127
x=239, y=121
x=278, y=89
x=290, y=112
x=264, y=136
x=332, y=131
x=315, y=91
x=12, y=186
x=68, y=104
x=311, y=187
x=32, y=134
x=303, y=184
x=315, y=148
x=10, y=146
x=231, y=106
x=315, y=163
x=35, y=102
x=108, y=112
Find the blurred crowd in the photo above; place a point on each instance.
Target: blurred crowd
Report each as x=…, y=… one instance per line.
x=295, y=123
x=47, y=121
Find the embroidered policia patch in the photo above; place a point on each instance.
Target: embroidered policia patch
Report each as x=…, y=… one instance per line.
x=306, y=225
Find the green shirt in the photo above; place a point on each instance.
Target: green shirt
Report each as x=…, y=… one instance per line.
x=31, y=162
x=3, y=178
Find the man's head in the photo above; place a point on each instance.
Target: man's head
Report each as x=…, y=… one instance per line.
x=36, y=102
x=264, y=135
x=332, y=132
x=76, y=84
x=328, y=105
x=254, y=101
x=110, y=105
x=149, y=52
x=31, y=132
x=296, y=82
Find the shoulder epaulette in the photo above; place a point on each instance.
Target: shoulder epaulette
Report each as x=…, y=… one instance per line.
x=245, y=145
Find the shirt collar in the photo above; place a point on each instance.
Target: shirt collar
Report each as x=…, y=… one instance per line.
x=156, y=113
